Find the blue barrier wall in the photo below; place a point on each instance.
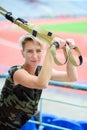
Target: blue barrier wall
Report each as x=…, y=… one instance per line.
x=51, y=108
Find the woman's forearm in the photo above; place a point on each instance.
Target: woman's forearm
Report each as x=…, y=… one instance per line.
x=46, y=71
x=71, y=72
x=71, y=69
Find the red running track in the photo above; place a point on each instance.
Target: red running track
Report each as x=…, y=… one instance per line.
x=10, y=53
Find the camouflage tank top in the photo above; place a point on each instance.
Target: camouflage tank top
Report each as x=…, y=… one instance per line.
x=18, y=103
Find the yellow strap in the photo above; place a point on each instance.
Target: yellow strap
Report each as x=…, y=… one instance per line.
x=72, y=59
x=3, y=9
x=43, y=35
x=53, y=52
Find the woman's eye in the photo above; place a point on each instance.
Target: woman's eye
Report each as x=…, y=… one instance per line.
x=30, y=51
x=38, y=50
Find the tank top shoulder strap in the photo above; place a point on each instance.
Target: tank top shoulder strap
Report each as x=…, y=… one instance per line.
x=13, y=69
x=38, y=70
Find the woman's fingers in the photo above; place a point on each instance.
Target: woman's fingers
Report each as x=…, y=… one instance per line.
x=60, y=43
x=71, y=43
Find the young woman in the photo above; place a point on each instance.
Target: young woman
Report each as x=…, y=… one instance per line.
x=23, y=86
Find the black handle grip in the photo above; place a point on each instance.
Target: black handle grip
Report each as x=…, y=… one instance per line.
x=56, y=44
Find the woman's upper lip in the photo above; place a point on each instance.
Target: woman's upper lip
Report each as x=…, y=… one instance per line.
x=33, y=60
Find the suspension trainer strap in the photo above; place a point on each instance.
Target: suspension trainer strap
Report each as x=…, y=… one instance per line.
x=53, y=48
x=72, y=59
x=43, y=35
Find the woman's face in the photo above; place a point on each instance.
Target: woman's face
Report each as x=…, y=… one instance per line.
x=32, y=53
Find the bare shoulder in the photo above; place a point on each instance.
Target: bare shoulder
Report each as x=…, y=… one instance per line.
x=26, y=79
x=20, y=72
x=22, y=77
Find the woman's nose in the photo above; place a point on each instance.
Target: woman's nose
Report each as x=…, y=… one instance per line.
x=35, y=54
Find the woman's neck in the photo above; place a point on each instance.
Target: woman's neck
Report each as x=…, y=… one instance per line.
x=29, y=69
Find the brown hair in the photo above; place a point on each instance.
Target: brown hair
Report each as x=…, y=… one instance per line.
x=27, y=37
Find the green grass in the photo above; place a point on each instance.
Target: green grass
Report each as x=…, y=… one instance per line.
x=75, y=27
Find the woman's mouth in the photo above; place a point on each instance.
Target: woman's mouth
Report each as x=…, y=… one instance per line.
x=34, y=61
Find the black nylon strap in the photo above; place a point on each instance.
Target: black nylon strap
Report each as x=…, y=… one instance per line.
x=22, y=20
x=34, y=33
x=49, y=33
x=8, y=15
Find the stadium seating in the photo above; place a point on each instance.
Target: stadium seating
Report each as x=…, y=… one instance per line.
x=48, y=118
x=29, y=125
x=45, y=8
x=83, y=124
x=66, y=123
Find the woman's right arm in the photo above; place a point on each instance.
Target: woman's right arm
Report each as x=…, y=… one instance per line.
x=31, y=81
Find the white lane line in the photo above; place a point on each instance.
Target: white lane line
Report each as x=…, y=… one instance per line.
x=9, y=44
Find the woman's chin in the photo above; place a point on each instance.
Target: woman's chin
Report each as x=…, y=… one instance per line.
x=34, y=64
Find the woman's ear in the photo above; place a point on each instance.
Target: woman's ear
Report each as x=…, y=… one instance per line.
x=22, y=52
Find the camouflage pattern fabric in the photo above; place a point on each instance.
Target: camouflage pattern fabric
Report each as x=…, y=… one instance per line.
x=17, y=103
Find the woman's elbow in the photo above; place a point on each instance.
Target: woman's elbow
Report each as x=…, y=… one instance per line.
x=73, y=79
x=76, y=77
x=42, y=85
